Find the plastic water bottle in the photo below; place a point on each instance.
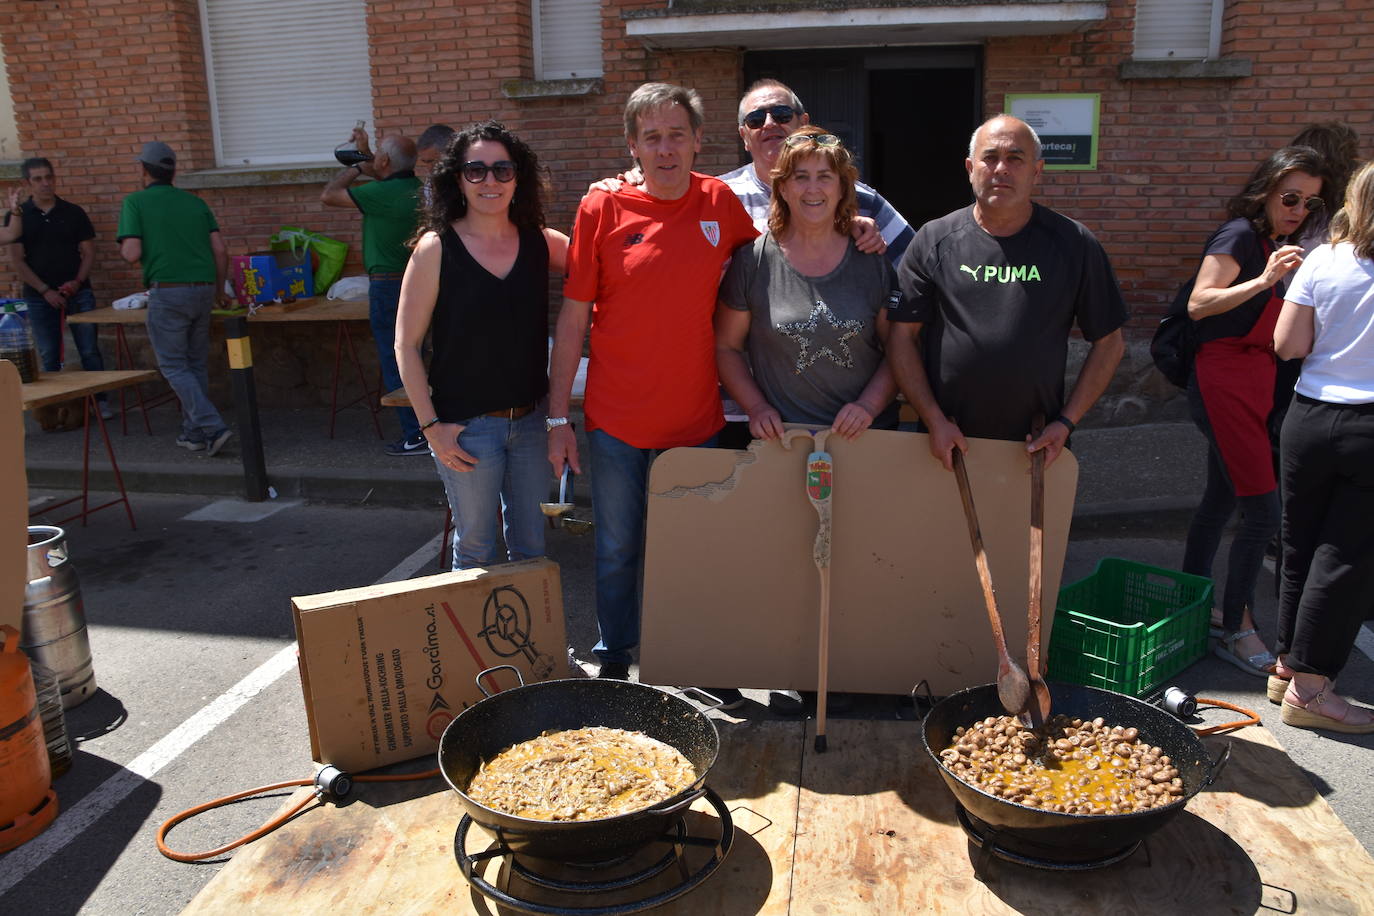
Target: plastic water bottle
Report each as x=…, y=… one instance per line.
x=16, y=342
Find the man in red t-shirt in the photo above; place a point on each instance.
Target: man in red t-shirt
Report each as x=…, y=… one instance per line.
x=644, y=266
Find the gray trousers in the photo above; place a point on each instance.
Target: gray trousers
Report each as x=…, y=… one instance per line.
x=179, y=329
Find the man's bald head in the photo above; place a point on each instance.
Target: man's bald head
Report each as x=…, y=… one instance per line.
x=399, y=151
x=1002, y=123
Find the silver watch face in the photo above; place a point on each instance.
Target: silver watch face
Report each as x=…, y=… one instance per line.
x=552, y=423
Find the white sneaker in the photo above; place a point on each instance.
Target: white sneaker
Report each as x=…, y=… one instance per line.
x=106, y=411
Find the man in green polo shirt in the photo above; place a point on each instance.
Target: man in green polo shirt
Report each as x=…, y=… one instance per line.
x=174, y=234
x=390, y=209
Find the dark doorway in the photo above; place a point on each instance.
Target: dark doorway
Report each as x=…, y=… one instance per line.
x=919, y=123
x=906, y=113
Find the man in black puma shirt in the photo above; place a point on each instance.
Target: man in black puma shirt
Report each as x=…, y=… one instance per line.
x=980, y=341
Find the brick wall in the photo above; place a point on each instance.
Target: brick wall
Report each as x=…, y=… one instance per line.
x=93, y=79
x=1174, y=150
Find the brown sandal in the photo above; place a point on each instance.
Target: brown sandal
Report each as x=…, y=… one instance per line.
x=1307, y=713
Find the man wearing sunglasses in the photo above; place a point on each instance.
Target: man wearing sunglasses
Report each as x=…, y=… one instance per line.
x=650, y=257
x=980, y=342
x=768, y=114
x=390, y=209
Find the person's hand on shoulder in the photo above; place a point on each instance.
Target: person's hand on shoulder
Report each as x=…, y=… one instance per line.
x=634, y=178
x=867, y=238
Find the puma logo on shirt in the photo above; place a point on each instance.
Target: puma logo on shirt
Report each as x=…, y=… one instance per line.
x=987, y=273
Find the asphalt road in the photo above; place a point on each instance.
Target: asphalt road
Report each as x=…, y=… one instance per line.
x=191, y=635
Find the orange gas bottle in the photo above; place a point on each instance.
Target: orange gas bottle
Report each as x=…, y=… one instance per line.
x=27, y=802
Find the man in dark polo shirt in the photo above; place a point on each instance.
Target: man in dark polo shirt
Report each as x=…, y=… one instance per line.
x=53, y=259
x=174, y=234
x=390, y=212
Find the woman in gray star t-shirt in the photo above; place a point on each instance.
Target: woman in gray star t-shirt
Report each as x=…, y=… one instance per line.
x=802, y=318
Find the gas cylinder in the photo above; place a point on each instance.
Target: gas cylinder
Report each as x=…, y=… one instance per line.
x=27, y=802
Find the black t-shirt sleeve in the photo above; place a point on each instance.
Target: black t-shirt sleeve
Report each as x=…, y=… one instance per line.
x=1100, y=310
x=919, y=294
x=85, y=231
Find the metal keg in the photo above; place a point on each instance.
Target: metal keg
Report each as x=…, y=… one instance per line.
x=54, y=617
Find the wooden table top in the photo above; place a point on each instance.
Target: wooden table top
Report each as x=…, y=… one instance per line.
x=314, y=309
x=866, y=828
x=63, y=386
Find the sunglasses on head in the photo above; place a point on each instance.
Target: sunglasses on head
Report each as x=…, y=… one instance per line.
x=825, y=141
x=782, y=114
x=1291, y=198
x=476, y=172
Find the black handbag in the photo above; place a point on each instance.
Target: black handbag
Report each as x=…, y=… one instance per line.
x=1175, y=342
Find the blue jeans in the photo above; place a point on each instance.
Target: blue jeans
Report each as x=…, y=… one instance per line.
x=179, y=330
x=383, y=298
x=620, y=479
x=509, y=482
x=46, y=322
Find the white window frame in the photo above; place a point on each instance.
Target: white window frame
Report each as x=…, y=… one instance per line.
x=304, y=61
x=9, y=129
x=577, y=26
x=1171, y=29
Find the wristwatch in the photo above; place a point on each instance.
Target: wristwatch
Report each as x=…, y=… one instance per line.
x=552, y=423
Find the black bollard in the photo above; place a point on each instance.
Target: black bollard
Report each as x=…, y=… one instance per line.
x=246, y=404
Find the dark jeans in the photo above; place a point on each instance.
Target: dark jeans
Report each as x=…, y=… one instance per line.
x=1327, y=584
x=620, y=480
x=46, y=322
x=384, y=297
x=1259, y=520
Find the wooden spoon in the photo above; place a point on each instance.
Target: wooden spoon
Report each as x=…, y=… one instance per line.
x=1039, y=701
x=1013, y=687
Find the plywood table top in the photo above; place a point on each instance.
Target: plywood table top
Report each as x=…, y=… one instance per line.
x=867, y=827
x=55, y=387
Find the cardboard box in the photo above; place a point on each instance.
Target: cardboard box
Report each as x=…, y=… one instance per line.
x=386, y=667
x=269, y=276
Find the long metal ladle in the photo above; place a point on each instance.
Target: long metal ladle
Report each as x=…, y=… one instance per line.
x=562, y=507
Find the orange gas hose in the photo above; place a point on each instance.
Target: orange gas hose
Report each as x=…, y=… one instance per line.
x=272, y=824
x=1226, y=726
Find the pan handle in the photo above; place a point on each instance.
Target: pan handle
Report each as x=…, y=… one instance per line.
x=1218, y=765
x=712, y=701
x=487, y=693
x=681, y=804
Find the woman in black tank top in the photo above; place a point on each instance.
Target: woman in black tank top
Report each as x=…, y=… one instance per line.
x=478, y=280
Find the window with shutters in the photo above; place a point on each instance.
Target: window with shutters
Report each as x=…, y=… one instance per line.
x=567, y=39
x=1178, y=29
x=288, y=78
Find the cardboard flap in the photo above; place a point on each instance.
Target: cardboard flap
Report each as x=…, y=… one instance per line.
x=732, y=591
x=14, y=499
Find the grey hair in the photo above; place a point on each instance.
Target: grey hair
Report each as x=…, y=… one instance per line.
x=400, y=150
x=652, y=95
x=793, y=99
x=1035, y=138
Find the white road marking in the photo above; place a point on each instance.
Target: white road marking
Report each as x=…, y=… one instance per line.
x=71, y=823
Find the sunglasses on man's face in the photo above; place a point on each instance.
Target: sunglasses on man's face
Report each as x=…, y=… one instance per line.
x=782, y=114
x=1291, y=198
x=476, y=172
x=825, y=141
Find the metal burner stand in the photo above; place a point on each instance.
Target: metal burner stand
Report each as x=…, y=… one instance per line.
x=995, y=844
x=677, y=839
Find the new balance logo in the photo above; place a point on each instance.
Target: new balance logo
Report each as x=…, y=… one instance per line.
x=634, y=238
x=987, y=273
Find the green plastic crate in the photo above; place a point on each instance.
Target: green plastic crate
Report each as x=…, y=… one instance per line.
x=1128, y=627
